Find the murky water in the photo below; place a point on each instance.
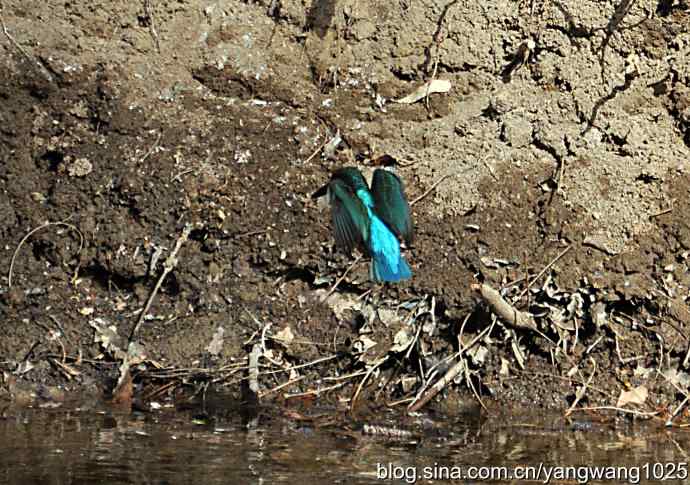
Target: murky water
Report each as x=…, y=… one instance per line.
x=62, y=446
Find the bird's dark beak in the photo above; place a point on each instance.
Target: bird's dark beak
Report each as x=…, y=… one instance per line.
x=320, y=193
x=385, y=161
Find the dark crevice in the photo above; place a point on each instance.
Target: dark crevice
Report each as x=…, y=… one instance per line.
x=664, y=8
x=300, y=274
x=563, y=85
x=629, y=77
x=407, y=77
x=619, y=141
x=647, y=178
x=53, y=159
x=547, y=148
x=320, y=16
x=445, y=68
x=572, y=31
x=491, y=113
x=106, y=278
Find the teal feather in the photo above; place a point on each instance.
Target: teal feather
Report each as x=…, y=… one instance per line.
x=350, y=216
x=357, y=221
x=391, y=204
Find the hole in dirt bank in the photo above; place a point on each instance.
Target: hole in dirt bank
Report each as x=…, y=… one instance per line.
x=491, y=113
x=404, y=76
x=39, y=90
x=647, y=178
x=224, y=83
x=171, y=286
x=51, y=160
x=45, y=251
x=301, y=274
x=198, y=235
x=320, y=16
x=664, y=8
x=108, y=279
x=563, y=85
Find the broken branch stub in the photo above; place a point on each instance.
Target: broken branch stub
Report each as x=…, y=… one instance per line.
x=504, y=310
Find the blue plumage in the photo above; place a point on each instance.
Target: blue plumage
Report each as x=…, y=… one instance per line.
x=371, y=220
x=387, y=262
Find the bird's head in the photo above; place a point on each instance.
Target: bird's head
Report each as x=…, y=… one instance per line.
x=386, y=161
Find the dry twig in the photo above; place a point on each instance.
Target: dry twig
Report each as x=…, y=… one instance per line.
x=168, y=266
x=281, y=386
x=33, y=231
x=504, y=310
x=151, y=150
x=543, y=271
x=438, y=39
x=317, y=151
x=364, y=379
x=340, y=280
x=614, y=408
x=669, y=421
x=425, y=396
x=430, y=189
x=315, y=392
x=661, y=213
x=148, y=10
x=582, y=390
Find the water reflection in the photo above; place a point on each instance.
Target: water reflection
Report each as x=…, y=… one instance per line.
x=61, y=446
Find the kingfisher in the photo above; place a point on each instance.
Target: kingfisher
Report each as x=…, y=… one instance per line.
x=371, y=220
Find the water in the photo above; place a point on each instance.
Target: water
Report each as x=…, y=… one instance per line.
x=72, y=446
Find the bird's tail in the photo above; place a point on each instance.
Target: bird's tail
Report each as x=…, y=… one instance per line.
x=385, y=269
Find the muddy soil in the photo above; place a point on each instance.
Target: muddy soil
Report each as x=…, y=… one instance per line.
x=565, y=184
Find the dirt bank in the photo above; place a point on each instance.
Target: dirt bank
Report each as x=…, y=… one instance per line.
x=124, y=121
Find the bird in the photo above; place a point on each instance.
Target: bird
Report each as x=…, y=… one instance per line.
x=371, y=220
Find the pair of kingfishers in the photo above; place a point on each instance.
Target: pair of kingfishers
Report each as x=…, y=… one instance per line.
x=373, y=220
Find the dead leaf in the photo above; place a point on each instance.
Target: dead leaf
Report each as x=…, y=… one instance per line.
x=107, y=336
x=216, y=344
x=363, y=344
x=387, y=316
x=136, y=354
x=505, y=367
x=24, y=367
x=519, y=355
x=408, y=383
x=679, y=378
x=599, y=242
x=401, y=341
x=478, y=354
x=340, y=304
x=285, y=336
x=431, y=87
x=637, y=395
x=598, y=314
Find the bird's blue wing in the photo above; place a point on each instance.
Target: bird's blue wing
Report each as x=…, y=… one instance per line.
x=391, y=204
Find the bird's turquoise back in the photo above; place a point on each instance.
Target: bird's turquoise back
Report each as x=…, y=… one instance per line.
x=388, y=264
